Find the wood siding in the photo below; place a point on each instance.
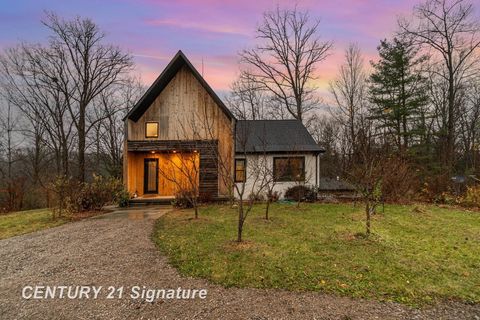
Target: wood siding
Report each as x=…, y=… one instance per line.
x=167, y=170
x=185, y=112
x=206, y=167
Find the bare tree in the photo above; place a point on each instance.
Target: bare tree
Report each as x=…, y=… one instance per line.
x=269, y=184
x=451, y=31
x=366, y=175
x=349, y=91
x=255, y=179
x=246, y=99
x=89, y=68
x=469, y=119
x=182, y=168
x=107, y=135
x=285, y=60
x=29, y=75
x=327, y=132
x=9, y=122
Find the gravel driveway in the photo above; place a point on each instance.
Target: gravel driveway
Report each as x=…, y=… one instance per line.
x=115, y=250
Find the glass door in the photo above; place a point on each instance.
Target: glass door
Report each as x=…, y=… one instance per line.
x=150, y=183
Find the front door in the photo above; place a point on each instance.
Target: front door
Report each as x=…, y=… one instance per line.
x=150, y=180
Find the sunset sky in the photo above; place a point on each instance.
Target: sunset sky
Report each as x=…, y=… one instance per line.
x=212, y=30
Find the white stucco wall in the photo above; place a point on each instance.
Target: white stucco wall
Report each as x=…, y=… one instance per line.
x=256, y=162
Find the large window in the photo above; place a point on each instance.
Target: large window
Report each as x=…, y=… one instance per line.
x=240, y=170
x=289, y=168
x=151, y=130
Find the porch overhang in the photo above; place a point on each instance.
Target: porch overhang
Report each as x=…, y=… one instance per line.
x=168, y=145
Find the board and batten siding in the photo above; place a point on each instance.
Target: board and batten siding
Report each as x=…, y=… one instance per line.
x=184, y=110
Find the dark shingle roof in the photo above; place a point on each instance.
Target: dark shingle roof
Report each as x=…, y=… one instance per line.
x=257, y=136
x=331, y=184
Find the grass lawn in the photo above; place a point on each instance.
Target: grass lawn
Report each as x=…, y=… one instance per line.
x=414, y=257
x=17, y=223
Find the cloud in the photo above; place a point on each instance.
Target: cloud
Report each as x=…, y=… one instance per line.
x=185, y=24
x=139, y=55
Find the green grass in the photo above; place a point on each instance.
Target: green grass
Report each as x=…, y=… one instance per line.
x=17, y=223
x=413, y=257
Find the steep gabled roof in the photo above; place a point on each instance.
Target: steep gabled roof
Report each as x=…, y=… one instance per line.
x=162, y=81
x=270, y=136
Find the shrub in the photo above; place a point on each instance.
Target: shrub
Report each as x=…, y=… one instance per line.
x=66, y=192
x=73, y=196
x=183, y=199
x=122, y=197
x=300, y=193
x=437, y=188
x=205, y=198
x=273, y=196
x=400, y=181
x=100, y=192
x=471, y=197
x=256, y=197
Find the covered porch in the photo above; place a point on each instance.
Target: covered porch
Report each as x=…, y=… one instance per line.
x=161, y=174
x=156, y=171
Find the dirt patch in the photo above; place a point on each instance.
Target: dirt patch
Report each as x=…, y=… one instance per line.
x=240, y=246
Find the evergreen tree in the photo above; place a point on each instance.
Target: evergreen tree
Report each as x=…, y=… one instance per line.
x=398, y=92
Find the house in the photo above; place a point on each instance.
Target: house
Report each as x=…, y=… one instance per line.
x=284, y=147
x=181, y=136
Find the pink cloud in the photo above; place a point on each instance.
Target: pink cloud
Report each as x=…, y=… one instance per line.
x=202, y=26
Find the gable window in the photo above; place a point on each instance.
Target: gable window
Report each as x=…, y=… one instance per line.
x=289, y=168
x=240, y=170
x=151, y=130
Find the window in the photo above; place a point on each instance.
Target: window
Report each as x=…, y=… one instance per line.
x=240, y=170
x=151, y=130
x=289, y=168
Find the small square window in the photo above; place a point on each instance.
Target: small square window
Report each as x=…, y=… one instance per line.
x=151, y=130
x=240, y=170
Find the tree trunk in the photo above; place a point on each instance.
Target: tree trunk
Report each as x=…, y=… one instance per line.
x=405, y=135
x=240, y=221
x=451, y=120
x=367, y=207
x=81, y=144
x=64, y=156
x=266, y=209
x=196, y=211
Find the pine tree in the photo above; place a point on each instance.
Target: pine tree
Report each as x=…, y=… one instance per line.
x=398, y=92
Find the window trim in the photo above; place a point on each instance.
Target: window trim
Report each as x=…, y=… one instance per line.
x=244, y=170
x=146, y=135
x=291, y=179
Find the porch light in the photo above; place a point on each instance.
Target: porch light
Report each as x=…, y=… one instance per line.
x=153, y=152
x=195, y=151
x=174, y=151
